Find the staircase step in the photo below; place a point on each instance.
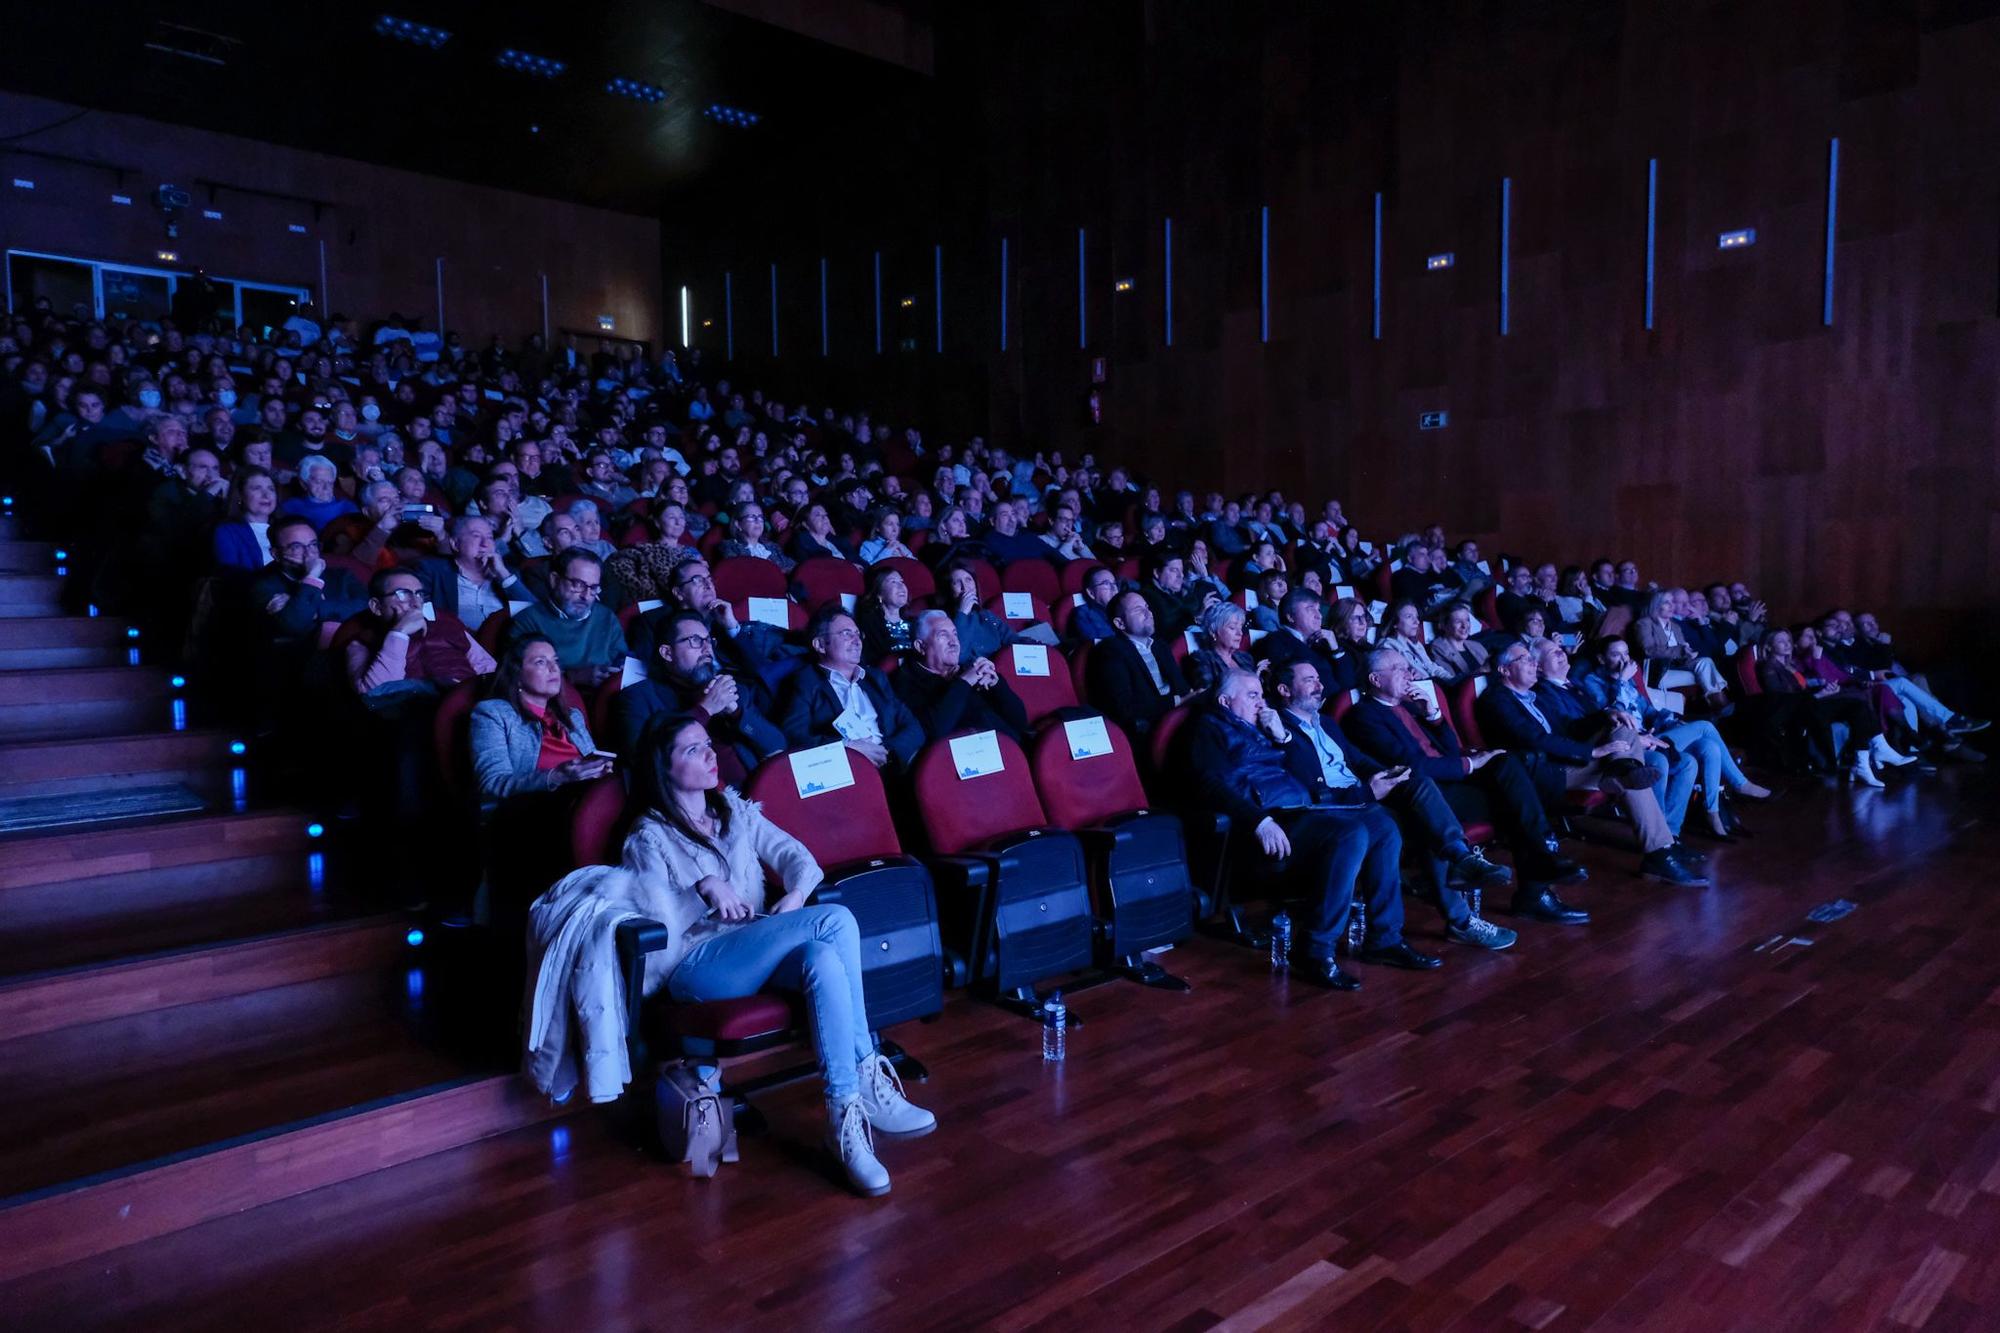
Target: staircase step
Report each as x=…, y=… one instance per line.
x=86, y=1218
x=84, y=702
x=27, y=595
x=68, y=923
x=149, y=845
x=198, y=759
x=82, y=1100
x=78, y=996
x=27, y=557
x=64, y=641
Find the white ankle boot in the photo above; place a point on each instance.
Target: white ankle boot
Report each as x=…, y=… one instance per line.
x=1882, y=752
x=882, y=1101
x=1863, y=772
x=849, y=1139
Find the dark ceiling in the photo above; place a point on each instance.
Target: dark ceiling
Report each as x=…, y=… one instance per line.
x=321, y=77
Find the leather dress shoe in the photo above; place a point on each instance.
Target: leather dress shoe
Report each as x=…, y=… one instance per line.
x=1474, y=868
x=1687, y=855
x=1328, y=973
x=1554, y=869
x=1400, y=955
x=1665, y=867
x=1541, y=904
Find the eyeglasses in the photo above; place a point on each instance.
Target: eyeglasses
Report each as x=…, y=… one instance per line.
x=586, y=589
x=403, y=595
x=693, y=641
x=848, y=632
x=298, y=548
x=695, y=580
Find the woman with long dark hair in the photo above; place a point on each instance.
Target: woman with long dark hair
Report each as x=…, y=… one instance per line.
x=698, y=858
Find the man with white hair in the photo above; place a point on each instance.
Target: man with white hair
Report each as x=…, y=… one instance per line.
x=948, y=696
x=1328, y=853
x=590, y=529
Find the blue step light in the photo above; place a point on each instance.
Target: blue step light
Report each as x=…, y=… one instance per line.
x=541, y=67
x=414, y=938
x=238, y=747
x=178, y=682
x=315, y=830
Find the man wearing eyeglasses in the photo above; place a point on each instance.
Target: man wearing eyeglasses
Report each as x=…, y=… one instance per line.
x=841, y=699
x=400, y=651
x=297, y=591
x=742, y=649
x=683, y=676
x=585, y=634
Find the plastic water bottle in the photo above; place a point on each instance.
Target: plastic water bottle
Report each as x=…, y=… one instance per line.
x=1357, y=928
x=1281, y=941
x=1055, y=1023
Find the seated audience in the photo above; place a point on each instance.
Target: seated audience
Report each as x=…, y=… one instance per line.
x=837, y=698
x=475, y=582
x=1454, y=649
x=885, y=537
x=882, y=611
x=1405, y=635
x=1337, y=774
x=298, y=592
x=746, y=537
x=1132, y=677
x=1302, y=638
x=1328, y=855
x=399, y=651
x=320, y=504
x=525, y=740
x=1091, y=620
x=244, y=541
x=1572, y=709
x=980, y=632
x=1596, y=751
x=1864, y=648
x=812, y=535
x=1661, y=640
x=1225, y=647
x=1819, y=706
x=683, y=675
x=948, y=695
x=1064, y=538
x=585, y=632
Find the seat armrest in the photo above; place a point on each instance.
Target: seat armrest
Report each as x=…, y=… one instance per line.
x=637, y=938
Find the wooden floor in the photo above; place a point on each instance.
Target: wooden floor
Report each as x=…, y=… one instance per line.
x=1641, y=1124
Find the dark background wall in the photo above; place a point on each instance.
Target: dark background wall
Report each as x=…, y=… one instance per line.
x=1740, y=434
x=383, y=229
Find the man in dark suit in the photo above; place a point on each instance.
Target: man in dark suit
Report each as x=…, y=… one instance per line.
x=1339, y=774
x=744, y=650
x=1090, y=621
x=836, y=698
x=1329, y=853
x=1133, y=678
x=1164, y=585
x=684, y=677
x=1578, y=753
x=947, y=695
x=1396, y=724
x=1301, y=637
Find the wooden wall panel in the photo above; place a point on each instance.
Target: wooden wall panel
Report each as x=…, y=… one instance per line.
x=384, y=229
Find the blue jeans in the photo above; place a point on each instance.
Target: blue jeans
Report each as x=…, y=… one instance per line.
x=1919, y=704
x=1719, y=772
x=1676, y=784
x=815, y=951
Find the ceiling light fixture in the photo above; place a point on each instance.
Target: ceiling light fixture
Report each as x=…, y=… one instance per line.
x=404, y=30
x=542, y=67
x=729, y=115
x=636, y=89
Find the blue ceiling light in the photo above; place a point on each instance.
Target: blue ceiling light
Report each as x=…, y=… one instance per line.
x=729, y=115
x=540, y=66
x=418, y=34
x=637, y=90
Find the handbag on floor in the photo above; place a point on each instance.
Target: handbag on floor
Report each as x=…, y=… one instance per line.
x=697, y=1125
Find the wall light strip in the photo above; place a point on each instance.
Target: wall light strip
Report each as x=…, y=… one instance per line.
x=1168, y=295
x=1506, y=245
x=1832, y=209
x=1652, y=228
x=1082, y=300
x=1378, y=266
x=687, y=319
x=1264, y=272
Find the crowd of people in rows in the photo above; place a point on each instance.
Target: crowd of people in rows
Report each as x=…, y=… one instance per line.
x=627, y=560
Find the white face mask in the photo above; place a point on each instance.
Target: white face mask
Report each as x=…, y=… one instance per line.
x=149, y=398
x=225, y=397
x=370, y=412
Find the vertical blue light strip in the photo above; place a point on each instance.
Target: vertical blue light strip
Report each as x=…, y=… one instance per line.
x=1169, y=302
x=878, y=303
x=774, y=310
x=1003, y=293
x=1832, y=207
x=1378, y=266
x=1652, y=228
x=937, y=282
x=1264, y=271
x=1082, y=305
x=823, y=346
x=728, y=316
x=1506, y=243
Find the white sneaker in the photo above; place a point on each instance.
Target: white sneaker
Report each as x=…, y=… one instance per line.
x=1882, y=752
x=849, y=1139
x=889, y=1112
x=1863, y=773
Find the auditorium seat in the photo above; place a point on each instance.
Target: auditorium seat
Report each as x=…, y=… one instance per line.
x=1042, y=695
x=1035, y=576
x=823, y=579
x=744, y=576
x=851, y=834
x=1206, y=831
x=1014, y=892
x=917, y=576
x=1138, y=861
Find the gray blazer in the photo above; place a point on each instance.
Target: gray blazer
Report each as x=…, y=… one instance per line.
x=505, y=746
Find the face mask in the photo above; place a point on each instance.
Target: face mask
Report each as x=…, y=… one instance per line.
x=225, y=398
x=149, y=398
x=370, y=412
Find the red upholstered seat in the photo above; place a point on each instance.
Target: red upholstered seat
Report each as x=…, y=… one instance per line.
x=796, y=615
x=602, y=700
x=846, y=824
x=1036, y=576
x=1040, y=695
x=765, y=1018
x=986, y=576
x=1079, y=671
x=1165, y=731
x=493, y=631
x=742, y=576
x=598, y=823
x=1074, y=574
x=823, y=578
x=1746, y=671
x=451, y=739
x=1339, y=704
x=1460, y=698
x=960, y=814
x=1085, y=793
x=713, y=538
x=1040, y=608
x=1486, y=605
